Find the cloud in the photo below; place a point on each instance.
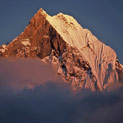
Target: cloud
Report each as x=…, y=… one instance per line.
x=49, y=100
x=26, y=73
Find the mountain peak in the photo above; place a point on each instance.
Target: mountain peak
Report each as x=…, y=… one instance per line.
x=81, y=58
x=41, y=11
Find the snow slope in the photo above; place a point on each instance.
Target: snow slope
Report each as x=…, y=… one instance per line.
x=100, y=57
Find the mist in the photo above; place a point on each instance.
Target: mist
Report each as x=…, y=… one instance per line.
x=31, y=91
x=26, y=73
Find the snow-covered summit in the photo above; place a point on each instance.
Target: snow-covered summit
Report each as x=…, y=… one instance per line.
x=101, y=58
x=81, y=58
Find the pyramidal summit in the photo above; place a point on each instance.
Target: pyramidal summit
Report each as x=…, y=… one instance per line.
x=81, y=59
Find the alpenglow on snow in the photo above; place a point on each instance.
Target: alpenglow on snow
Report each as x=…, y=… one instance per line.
x=80, y=57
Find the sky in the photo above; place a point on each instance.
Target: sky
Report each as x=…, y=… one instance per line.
x=102, y=17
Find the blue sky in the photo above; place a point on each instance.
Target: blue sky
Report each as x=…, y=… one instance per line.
x=102, y=17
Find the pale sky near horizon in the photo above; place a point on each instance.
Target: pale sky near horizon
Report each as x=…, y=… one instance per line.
x=102, y=17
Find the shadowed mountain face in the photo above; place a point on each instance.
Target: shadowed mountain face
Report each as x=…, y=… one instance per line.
x=80, y=57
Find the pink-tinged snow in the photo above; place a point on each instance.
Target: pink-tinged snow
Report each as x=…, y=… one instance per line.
x=100, y=57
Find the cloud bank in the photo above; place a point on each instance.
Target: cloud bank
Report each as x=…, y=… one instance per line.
x=31, y=92
x=26, y=73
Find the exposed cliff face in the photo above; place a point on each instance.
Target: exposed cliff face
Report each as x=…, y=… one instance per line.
x=119, y=69
x=37, y=40
x=81, y=58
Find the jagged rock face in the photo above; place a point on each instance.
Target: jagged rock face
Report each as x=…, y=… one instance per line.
x=119, y=69
x=37, y=40
x=82, y=59
x=74, y=69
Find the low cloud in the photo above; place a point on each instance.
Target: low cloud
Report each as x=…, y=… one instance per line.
x=45, y=98
x=26, y=73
